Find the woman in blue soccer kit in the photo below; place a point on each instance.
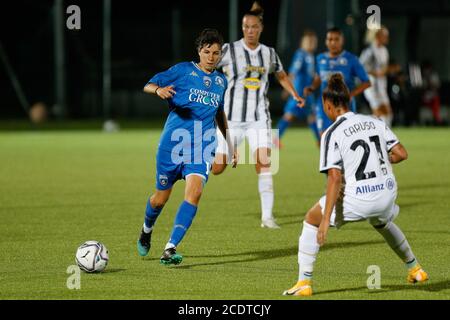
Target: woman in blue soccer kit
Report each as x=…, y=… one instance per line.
x=302, y=73
x=195, y=94
x=336, y=60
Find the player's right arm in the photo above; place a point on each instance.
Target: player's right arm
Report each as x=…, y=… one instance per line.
x=162, y=84
x=333, y=189
x=331, y=163
x=162, y=92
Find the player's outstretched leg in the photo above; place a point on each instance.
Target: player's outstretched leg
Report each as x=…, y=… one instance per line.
x=185, y=216
x=397, y=241
x=308, y=248
x=152, y=211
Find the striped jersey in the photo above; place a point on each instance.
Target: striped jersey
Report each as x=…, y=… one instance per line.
x=247, y=72
x=375, y=58
x=358, y=145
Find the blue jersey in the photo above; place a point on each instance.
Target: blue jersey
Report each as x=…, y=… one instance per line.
x=190, y=129
x=302, y=67
x=346, y=63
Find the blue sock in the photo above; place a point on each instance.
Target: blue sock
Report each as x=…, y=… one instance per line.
x=282, y=126
x=183, y=220
x=151, y=215
x=315, y=130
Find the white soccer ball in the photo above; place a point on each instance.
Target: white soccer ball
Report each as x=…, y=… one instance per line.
x=92, y=256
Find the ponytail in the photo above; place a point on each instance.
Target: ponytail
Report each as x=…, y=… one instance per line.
x=336, y=91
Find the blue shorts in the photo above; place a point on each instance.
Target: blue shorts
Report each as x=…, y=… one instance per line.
x=299, y=113
x=169, y=171
x=322, y=120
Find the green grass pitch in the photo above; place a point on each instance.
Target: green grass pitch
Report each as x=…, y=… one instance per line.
x=61, y=188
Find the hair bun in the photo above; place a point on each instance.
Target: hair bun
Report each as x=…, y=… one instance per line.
x=256, y=9
x=336, y=77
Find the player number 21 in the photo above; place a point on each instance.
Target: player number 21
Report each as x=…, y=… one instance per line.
x=360, y=174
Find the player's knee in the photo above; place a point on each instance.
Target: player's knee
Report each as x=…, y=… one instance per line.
x=288, y=117
x=262, y=166
x=157, y=202
x=263, y=158
x=193, y=196
x=313, y=218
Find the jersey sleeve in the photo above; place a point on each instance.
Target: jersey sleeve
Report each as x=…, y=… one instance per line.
x=330, y=155
x=390, y=138
x=359, y=70
x=168, y=77
x=225, y=58
x=297, y=62
x=275, y=62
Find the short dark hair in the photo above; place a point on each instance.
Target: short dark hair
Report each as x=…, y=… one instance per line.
x=207, y=38
x=336, y=91
x=335, y=30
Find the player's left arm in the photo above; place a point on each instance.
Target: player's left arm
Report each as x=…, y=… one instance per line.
x=286, y=83
x=398, y=153
x=361, y=74
x=333, y=189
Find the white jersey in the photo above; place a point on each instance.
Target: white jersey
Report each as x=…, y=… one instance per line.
x=247, y=72
x=358, y=145
x=375, y=58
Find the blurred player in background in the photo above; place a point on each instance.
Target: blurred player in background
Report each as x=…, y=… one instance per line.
x=301, y=74
x=431, y=86
x=195, y=94
x=336, y=60
x=375, y=59
x=359, y=149
x=247, y=64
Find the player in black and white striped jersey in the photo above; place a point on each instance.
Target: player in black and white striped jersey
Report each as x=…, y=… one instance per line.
x=247, y=64
x=358, y=150
x=375, y=60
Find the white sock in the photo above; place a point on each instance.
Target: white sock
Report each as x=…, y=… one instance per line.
x=146, y=229
x=308, y=247
x=265, y=187
x=397, y=241
x=169, y=245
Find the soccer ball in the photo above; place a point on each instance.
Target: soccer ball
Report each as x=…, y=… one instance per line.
x=92, y=256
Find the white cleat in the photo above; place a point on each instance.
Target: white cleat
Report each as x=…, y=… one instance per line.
x=269, y=223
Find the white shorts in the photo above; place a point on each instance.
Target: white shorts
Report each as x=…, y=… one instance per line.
x=344, y=212
x=258, y=134
x=377, y=95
